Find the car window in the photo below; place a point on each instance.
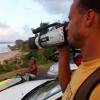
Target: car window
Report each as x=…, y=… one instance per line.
x=45, y=91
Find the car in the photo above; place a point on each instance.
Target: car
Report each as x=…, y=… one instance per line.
x=50, y=90
x=47, y=89
x=53, y=70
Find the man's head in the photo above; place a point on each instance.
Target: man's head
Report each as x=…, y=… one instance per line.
x=84, y=19
x=32, y=61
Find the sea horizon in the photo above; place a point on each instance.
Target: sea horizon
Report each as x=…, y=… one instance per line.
x=4, y=46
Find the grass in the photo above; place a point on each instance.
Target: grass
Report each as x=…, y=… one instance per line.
x=15, y=72
x=9, y=74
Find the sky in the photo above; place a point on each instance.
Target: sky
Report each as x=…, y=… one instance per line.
x=17, y=17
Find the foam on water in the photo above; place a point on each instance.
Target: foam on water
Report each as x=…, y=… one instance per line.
x=4, y=46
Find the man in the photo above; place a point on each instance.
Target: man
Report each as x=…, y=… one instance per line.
x=31, y=71
x=83, y=33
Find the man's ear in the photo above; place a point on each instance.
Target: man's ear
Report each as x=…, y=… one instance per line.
x=89, y=17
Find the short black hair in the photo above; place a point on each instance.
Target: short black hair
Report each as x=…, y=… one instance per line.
x=90, y=4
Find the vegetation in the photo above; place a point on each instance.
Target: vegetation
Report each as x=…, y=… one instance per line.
x=7, y=68
x=41, y=56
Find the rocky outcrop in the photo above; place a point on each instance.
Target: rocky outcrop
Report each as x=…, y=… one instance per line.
x=12, y=48
x=19, y=45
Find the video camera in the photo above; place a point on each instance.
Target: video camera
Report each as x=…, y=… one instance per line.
x=53, y=37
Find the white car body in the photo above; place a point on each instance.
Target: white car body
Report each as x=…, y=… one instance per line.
x=17, y=92
x=53, y=70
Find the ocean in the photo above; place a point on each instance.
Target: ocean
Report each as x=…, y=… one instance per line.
x=4, y=46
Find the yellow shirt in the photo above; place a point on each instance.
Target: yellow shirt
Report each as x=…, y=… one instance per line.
x=78, y=77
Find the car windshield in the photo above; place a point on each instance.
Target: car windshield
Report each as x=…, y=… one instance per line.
x=45, y=91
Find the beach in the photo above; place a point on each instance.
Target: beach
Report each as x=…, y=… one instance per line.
x=42, y=69
x=8, y=55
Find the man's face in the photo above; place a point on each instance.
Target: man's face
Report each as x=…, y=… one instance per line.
x=75, y=26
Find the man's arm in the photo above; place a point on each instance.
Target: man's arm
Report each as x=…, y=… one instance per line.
x=64, y=69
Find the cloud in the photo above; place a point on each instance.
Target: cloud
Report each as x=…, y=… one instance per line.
x=8, y=33
x=26, y=32
x=27, y=28
x=55, y=6
x=5, y=30
x=3, y=25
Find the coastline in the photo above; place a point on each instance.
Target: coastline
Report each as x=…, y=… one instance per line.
x=8, y=55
